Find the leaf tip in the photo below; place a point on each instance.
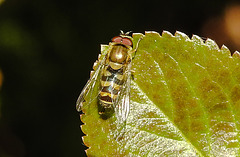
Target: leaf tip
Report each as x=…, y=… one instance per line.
x=181, y=35
x=167, y=34
x=211, y=44
x=152, y=34
x=225, y=49
x=197, y=39
x=236, y=54
x=137, y=34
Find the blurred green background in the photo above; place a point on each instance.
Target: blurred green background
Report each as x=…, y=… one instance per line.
x=47, y=49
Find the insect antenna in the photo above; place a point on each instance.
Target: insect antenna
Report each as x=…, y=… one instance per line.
x=125, y=34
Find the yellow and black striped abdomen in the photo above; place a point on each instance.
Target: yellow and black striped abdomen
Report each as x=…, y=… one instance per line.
x=111, y=83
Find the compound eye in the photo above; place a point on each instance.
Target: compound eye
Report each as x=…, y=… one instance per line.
x=117, y=39
x=127, y=41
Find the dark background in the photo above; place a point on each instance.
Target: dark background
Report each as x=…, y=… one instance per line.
x=47, y=48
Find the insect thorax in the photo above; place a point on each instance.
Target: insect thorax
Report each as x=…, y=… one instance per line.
x=119, y=53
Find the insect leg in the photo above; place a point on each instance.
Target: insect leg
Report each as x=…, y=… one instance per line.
x=135, y=50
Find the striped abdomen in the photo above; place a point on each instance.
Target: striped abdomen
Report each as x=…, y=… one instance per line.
x=113, y=77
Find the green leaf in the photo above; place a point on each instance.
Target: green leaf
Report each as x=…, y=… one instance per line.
x=185, y=101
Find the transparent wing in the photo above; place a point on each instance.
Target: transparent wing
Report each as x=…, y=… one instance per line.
x=122, y=104
x=89, y=86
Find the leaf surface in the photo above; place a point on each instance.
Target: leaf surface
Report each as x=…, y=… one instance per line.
x=185, y=101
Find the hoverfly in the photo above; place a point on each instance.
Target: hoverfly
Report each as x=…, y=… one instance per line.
x=115, y=79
